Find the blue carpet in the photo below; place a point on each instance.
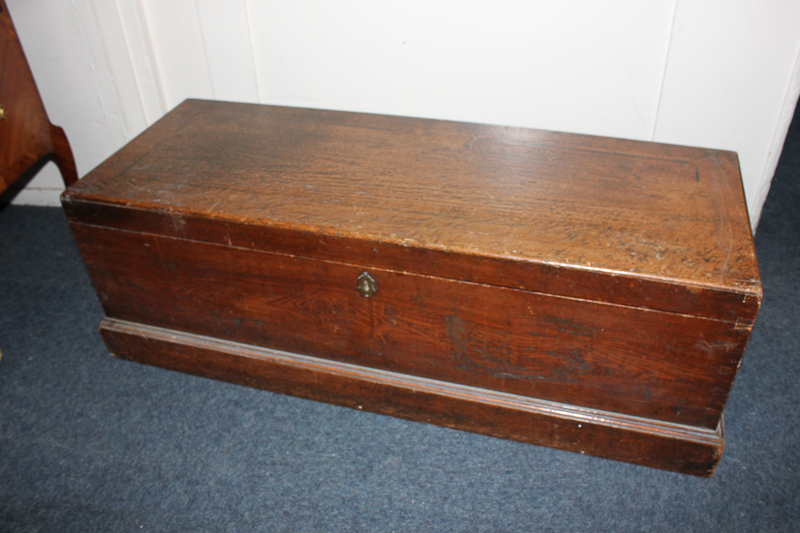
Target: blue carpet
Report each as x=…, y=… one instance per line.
x=91, y=443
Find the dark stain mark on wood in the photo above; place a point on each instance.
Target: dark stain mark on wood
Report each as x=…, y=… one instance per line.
x=570, y=327
x=475, y=351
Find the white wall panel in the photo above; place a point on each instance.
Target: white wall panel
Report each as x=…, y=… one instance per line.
x=141, y=55
x=106, y=37
x=226, y=34
x=583, y=66
x=727, y=82
x=179, y=50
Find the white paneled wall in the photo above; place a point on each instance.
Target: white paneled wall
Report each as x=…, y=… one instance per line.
x=715, y=73
x=590, y=66
x=732, y=82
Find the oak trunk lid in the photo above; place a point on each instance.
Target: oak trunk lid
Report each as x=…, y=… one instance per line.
x=623, y=222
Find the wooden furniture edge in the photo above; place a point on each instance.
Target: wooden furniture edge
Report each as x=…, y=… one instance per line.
x=181, y=118
x=667, y=446
x=53, y=144
x=716, y=302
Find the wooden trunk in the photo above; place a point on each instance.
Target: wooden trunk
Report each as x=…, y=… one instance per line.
x=584, y=293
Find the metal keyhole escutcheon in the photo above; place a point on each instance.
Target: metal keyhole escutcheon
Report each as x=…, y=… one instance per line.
x=366, y=285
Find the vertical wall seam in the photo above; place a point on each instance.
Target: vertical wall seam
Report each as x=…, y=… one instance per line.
x=252, y=50
x=790, y=100
x=148, y=42
x=205, y=49
x=99, y=50
x=126, y=38
x=664, y=70
x=126, y=126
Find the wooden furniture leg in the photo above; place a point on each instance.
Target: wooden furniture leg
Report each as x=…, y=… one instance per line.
x=28, y=140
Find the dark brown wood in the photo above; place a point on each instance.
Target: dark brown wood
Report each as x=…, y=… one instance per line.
x=623, y=438
x=27, y=138
x=605, y=276
x=664, y=213
x=536, y=345
x=623, y=288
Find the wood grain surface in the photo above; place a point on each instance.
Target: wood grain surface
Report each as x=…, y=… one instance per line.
x=669, y=214
x=602, y=275
x=644, y=363
x=586, y=431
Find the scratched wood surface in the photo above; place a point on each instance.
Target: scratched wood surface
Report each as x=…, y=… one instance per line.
x=634, y=440
x=616, y=279
x=666, y=214
x=675, y=368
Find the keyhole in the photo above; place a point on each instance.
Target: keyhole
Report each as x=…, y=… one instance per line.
x=366, y=285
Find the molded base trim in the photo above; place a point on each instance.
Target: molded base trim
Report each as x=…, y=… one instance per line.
x=615, y=436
